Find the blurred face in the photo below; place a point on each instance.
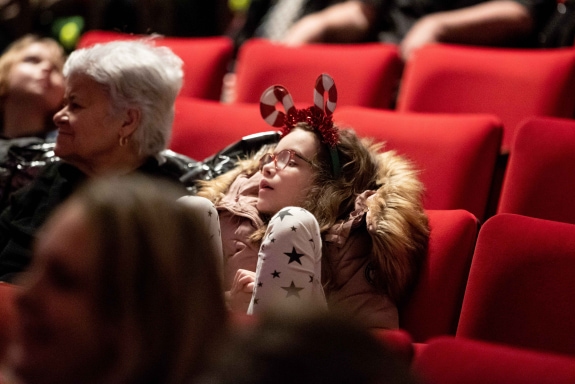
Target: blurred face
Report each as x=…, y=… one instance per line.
x=88, y=131
x=288, y=186
x=61, y=337
x=36, y=75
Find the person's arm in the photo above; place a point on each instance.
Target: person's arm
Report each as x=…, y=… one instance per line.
x=497, y=22
x=346, y=22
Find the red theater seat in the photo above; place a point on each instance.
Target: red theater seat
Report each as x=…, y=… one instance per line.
x=205, y=59
x=521, y=285
x=7, y=315
x=513, y=84
x=365, y=74
x=456, y=153
x=456, y=361
x=540, y=178
x=202, y=127
x=433, y=307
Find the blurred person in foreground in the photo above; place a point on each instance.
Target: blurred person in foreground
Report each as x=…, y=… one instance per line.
x=307, y=348
x=124, y=288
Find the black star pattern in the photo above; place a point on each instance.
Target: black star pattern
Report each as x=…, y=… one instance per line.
x=256, y=301
x=273, y=240
x=311, y=278
x=275, y=274
x=260, y=284
x=210, y=213
x=293, y=229
x=294, y=256
x=283, y=214
x=292, y=290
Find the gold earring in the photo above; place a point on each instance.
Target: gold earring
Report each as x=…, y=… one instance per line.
x=123, y=140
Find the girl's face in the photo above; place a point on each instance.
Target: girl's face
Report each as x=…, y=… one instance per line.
x=61, y=335
x=288, y=186
x=37, y=75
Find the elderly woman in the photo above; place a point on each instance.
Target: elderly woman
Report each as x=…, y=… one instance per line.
x=124, y=288
x=116, y=119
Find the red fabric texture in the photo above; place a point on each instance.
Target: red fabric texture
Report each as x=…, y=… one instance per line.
x=456, y=153
x=433, y=307
x=513, y=84
x=448, y=360
x=202, y=127
x=540, y=178
x=205, y=59
x=521, y=285
x=365, y=74
x=7, y=315
x=398, y=341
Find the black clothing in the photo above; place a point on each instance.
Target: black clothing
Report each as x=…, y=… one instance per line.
x=31, y=206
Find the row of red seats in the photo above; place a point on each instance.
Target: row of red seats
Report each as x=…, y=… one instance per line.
x=512, y=84
x=498, y=309
x=458, y=152
x=509, y=282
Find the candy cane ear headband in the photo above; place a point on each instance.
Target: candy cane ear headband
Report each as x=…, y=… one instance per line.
x=318, y=116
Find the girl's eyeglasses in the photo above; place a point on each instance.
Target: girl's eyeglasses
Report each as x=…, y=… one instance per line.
x=281, y=159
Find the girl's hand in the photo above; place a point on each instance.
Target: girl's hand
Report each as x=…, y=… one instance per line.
x=240, y=295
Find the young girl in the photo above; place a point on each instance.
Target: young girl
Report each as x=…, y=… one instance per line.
x=31, y=90
x=323, y=218
x=31, y=86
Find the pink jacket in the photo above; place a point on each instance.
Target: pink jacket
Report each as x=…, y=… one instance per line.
x=387, y=224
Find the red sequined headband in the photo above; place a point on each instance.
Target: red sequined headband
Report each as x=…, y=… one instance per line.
x=318, y=116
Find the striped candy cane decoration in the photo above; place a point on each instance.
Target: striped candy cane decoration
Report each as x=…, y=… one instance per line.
x=268, y=102
x=325, y=84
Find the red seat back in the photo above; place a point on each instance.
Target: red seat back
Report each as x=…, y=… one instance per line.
x=521, y=284
x=202, y=127
x=456, y=153
x=433, y=307
x=365, y=74
x=540, y=178
x=513, y=84
x=205, y=59
x=455, y=361
x=7, y=315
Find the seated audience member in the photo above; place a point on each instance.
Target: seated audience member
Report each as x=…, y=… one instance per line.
x=415, y=23
x=306, y=349
x=31, y=90
x=409, y=23
x=124, y=288
x=272, y=19
x=323, y=215
x=116, y=119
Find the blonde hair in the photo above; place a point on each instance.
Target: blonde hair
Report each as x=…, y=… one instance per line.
x=158, y=277
x=13, y=53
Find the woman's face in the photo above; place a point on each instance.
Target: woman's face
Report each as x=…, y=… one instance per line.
x=88, y=130
x=289, y=186
x=36, y=76
x=61, y=338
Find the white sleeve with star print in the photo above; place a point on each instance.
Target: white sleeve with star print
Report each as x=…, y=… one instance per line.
x=288, y=274
x=211, y=221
